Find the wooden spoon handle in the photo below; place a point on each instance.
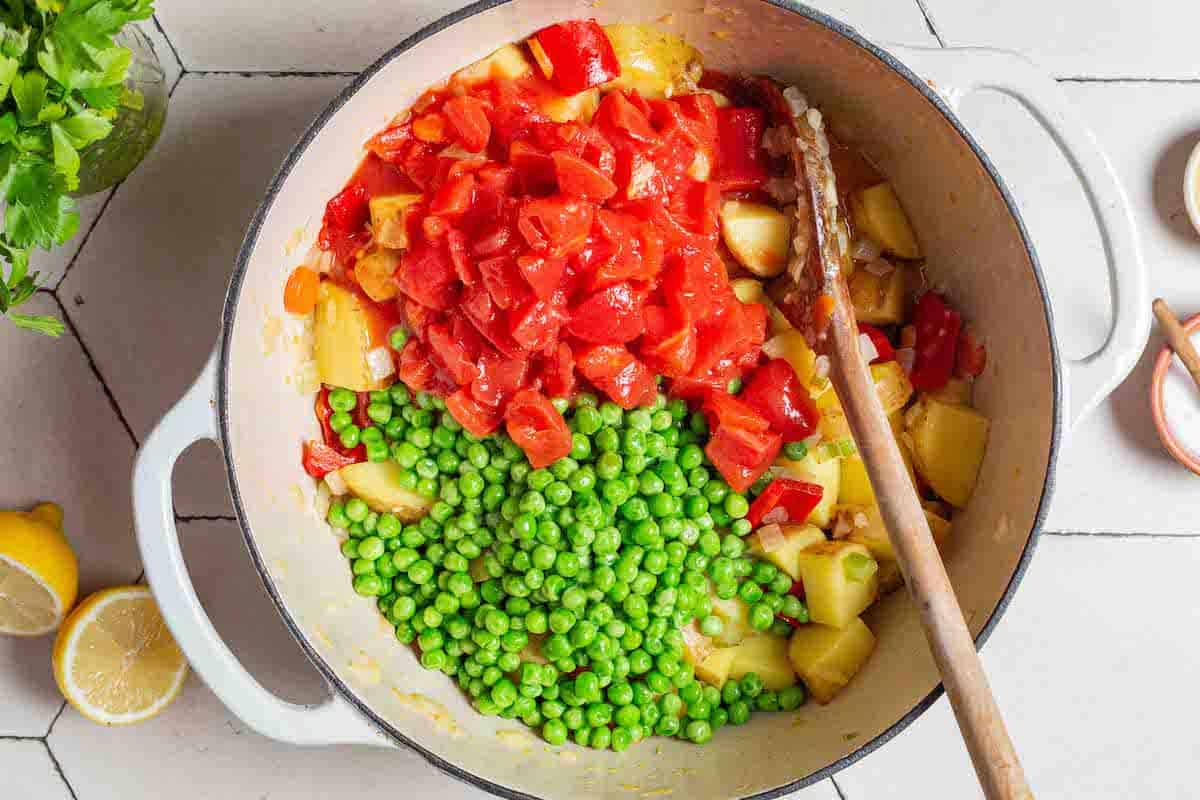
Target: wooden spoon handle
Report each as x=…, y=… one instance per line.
x=1178, y=338
x=987, y=740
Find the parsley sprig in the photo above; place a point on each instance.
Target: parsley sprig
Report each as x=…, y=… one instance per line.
x=61, y=84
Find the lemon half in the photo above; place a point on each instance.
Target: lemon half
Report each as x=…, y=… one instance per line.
x=39, y=575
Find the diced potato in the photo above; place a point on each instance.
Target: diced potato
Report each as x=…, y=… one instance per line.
x=874, y=536
x=378, y=484
x=856, y=486
x=833, y=597
x=826, y=474
x=532, y=651
x=877, y=212
x=375, y=270
x=387, y=207
x=948, y=446
x=796, y=538
x=576, y=108
x=656, y=63
x=715, y=669
x=826, y=659
x=957, y=391
x=342, y=339
x=758, y=235
x=696, y=646
x=750, y=290
x=891, y=384
x=879, y=299
x=736, y=615
x=508, y=62
x=766, y=655
x=792, y=348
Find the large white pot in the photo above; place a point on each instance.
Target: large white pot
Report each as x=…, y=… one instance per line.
x=978, y=250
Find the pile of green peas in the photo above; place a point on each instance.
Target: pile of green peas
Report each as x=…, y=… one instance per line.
x=556, y=595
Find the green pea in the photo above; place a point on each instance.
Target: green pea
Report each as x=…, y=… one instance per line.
x=342, y=400
x=368, y=584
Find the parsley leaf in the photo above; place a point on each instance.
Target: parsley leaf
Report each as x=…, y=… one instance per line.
x=80, y=44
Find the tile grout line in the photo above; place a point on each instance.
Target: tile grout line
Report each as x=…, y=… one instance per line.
x=841, y=795
x=1124, y=79
x=87, y=354
x=1119, y=535
x=53, y=722
x=170, y=44
x=14, y=738
x=263, y=73
x=185, y=518
x=932, y=29
x=58, y=768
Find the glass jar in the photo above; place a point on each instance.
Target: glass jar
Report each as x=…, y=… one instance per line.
x=138, y=123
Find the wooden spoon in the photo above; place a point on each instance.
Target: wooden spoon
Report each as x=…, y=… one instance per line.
x=1178, y=338
x=818, y=304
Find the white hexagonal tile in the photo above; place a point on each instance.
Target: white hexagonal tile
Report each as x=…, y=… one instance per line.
x=1093, y=666
x=29, y=772
x=317, y=36
x=1155, y=38
x=64, y=443
x=146, y=292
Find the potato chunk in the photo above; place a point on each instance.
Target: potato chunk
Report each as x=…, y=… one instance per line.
x=378, y=484
x=877, y=212
x=715, y=669
x=508, y=62
x=796, y=538
x=375, y=270
x=656, y=63
x=735, y=614
x=387, y=219
x=948, y=447
x=957, y=391
x=874, y=536
x=826, y=659
x=342, y=339
x=758, y=235
x=765, y=655
x=834, y=597
x=879, y=299
x=826, y=474
x=574, y=108
x=891, y=384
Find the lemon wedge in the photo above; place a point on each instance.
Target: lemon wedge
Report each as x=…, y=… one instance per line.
x=115, y=660
x=39, y=575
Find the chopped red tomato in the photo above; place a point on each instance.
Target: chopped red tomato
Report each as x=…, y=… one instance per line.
x=742, y=456
x=883, y=346
x=467, y=116
x=427, y=275
x=797, y=498
x=741, y=163
x=453, y=352
x=610, y=316
x=937, y=327
x=580, y=178
x=616, y=372
x=416, y=370
x=580, y=54
x=972, y=355
x=455, y=197
x=556, y=226
x=499, y=377
x=621, y=116
x=320, y=459
x=534, y=324
x=669, y=345
x=542, y=273
x=558, y=372
x=537, y=428
x=478, y=418
x=503, y=281
x=344, y=227
x=777, y=394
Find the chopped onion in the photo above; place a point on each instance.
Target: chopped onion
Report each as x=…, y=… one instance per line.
x=821, y=366
x=770, y=537
x=312, y=258
x=782, y=190
x=866, y=249
x=796, y=101
x=906, y=357
x=640, y=177
x=860, y=520
x=379, y=361
x=325, y=265
x=307, y=377
x=698, y=646
x=337, y=484
x=866, y=346
x=814, y=119
x=843, y=527
x=879, y=266
x=813, y=441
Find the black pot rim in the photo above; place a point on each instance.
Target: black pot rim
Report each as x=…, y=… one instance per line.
x=231, y=306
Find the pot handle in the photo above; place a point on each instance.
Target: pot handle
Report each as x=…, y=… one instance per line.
x=958, y=72
x=193, y=418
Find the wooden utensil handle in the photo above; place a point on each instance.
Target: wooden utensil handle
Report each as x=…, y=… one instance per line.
x=983, y=730
x=1178, y=338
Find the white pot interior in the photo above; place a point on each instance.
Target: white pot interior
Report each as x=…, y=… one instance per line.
x=975, y=252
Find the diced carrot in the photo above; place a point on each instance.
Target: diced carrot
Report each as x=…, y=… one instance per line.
x=430, y=128
x=300, y=293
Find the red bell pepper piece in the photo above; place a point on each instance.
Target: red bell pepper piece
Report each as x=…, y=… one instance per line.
x=580, y=53
x=776, y=392
x=883, y=346
x=741, y=163
x=320, y=459
x=798, y=498
x=537, y=428
x=478, y=419
x=742, y=456
x=937, y=326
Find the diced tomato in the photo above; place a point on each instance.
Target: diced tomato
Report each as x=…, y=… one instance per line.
x=300, y=292
x=581, y=55
x=616, y=372
x=669, y=345
x=464, y=267
x=534, y=169
x=392, y=142
x=542, y=273
x=320, y=459
x=972, y=355
x=499, y=377
x=558, y=372
x=741, y=163
x=556, y=226
x=695, y=280
x=455, y=197
x=534, y=324
x=742, y=456
x=503, y=281
x=580, y=178
x=416, y=370
x=454, y=353
x=427, y=275
x=797, y=498
x=738, y=331
x=610, y=316
x=537, y=428
x=479, y=419
x=777, y=394
x=344, y=228
x=488, y=320
x=467, y=116
x=619, y=116
x=883, y=346
x=420, y=163
x=937, y=328
x=721, y=408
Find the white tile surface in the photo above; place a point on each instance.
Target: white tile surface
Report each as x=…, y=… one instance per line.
x=62, y=442
x=1093, y=671
x=173, y=231
x=1110, y=38
x=29, y=773
x=308, y=37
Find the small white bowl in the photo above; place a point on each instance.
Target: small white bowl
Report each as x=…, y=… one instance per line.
x=1191, y=187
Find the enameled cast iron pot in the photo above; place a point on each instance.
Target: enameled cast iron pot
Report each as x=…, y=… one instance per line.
x=977, y=248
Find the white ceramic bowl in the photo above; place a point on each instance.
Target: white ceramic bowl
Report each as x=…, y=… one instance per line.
x=1191, y=187
x=978, y=251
